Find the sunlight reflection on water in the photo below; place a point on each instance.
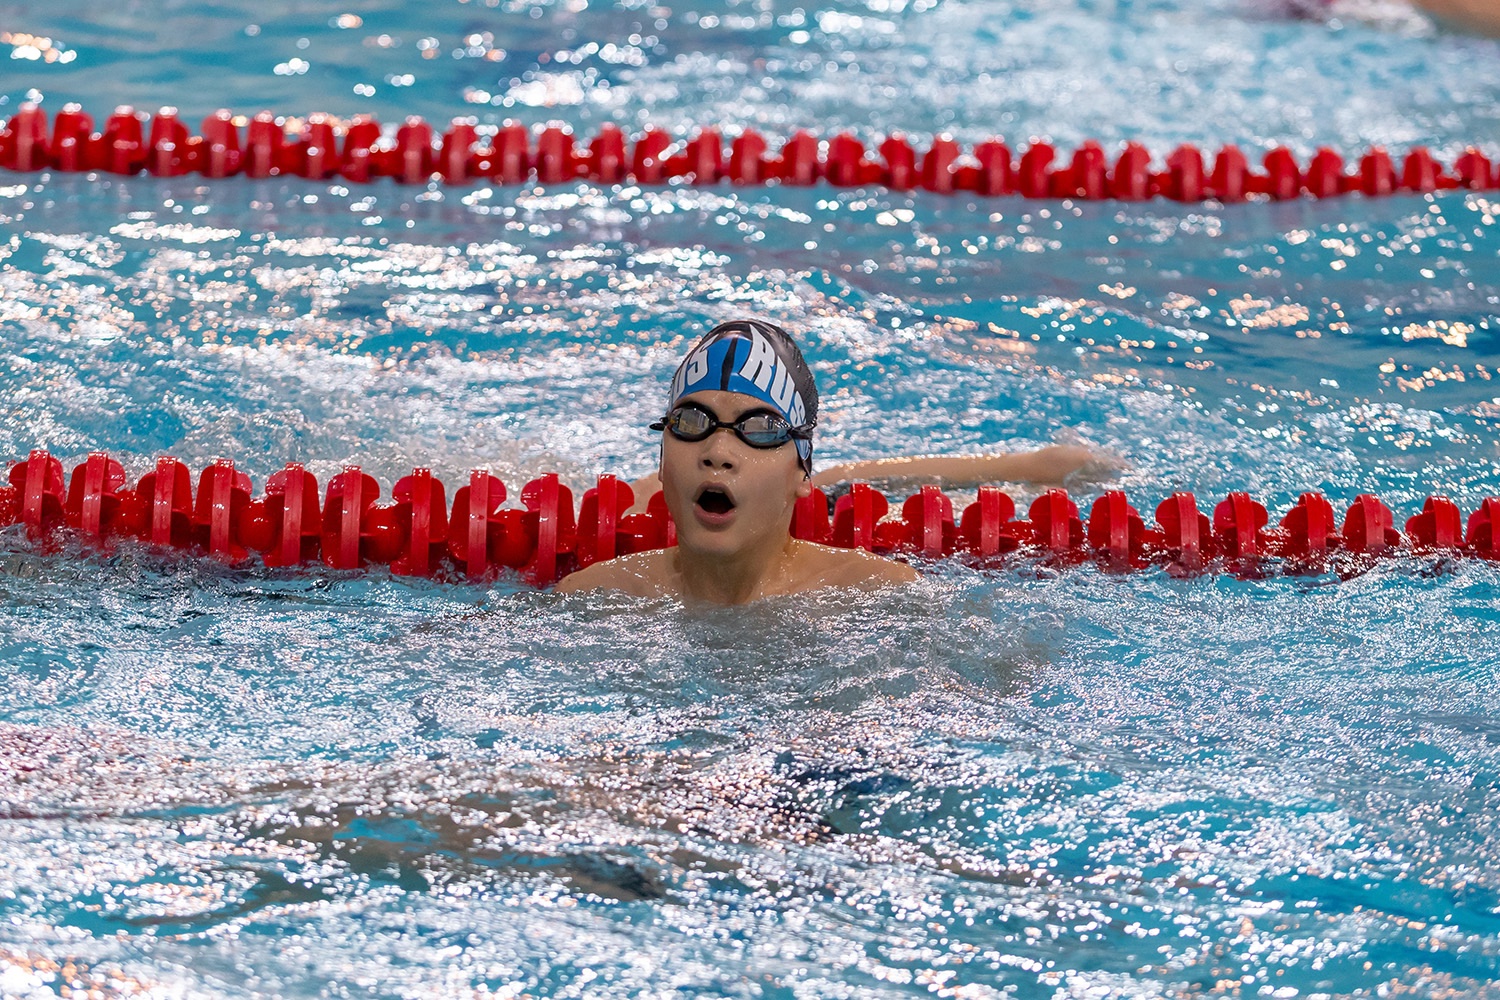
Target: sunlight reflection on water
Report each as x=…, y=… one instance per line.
x=237, y=782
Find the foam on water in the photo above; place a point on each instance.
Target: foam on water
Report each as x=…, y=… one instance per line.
x=985, y=781
x=236, y=782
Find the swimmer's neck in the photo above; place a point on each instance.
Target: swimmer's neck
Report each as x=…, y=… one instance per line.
x=736, y=579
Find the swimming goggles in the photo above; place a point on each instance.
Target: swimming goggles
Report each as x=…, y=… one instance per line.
x=760, y=429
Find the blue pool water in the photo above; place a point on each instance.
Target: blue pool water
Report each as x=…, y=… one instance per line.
x=240, y=783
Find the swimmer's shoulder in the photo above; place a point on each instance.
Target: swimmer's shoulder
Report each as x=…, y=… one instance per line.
x=827, y=566
x=814, y=567
x=640, y=574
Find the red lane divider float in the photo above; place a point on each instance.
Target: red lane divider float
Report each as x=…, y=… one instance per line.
x=319, y=147
x=415, y=533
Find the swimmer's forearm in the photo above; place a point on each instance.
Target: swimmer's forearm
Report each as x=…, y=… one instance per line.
x=1051, y=464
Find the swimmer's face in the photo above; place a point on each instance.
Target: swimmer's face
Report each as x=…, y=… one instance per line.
x=726, y=497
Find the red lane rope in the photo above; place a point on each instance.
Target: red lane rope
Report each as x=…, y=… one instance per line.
x=416, y=533
x=320, y=147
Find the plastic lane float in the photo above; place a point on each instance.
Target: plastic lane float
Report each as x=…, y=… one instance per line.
x=320, y=147
x=416, y=532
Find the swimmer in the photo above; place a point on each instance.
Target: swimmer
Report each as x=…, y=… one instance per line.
x=736, y=456
x=1478, y=16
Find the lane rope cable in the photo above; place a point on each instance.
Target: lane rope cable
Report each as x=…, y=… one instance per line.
x=361, y=150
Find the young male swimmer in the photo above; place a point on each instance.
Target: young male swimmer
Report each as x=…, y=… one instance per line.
x=731, y=495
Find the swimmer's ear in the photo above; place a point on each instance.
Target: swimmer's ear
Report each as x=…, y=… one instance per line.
x=805, y=487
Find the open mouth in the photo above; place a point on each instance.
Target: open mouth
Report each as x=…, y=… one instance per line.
x=715, y=500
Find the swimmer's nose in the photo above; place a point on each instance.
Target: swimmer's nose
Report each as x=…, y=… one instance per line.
x=717, y=453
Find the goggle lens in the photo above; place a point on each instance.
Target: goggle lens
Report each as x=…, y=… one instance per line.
x=763, y=430
x=690, y=423
x=758, y=430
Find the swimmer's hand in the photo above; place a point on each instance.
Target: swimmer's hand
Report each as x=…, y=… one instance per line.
x=1096, y=465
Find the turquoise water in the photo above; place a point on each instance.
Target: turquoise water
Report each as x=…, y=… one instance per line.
x=228, y=782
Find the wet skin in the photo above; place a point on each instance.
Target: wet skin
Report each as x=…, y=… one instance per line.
x=763, y=484
x=732, y=505
x=1479, y=16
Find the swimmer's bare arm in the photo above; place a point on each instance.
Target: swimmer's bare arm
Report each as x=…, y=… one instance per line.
x=1051, y=464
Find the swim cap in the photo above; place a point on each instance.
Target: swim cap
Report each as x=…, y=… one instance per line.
x=757, y=359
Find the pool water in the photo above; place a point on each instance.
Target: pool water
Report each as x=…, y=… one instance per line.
x=236, y=782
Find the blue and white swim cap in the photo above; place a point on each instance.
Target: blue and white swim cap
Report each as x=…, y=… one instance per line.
x=756, y=359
